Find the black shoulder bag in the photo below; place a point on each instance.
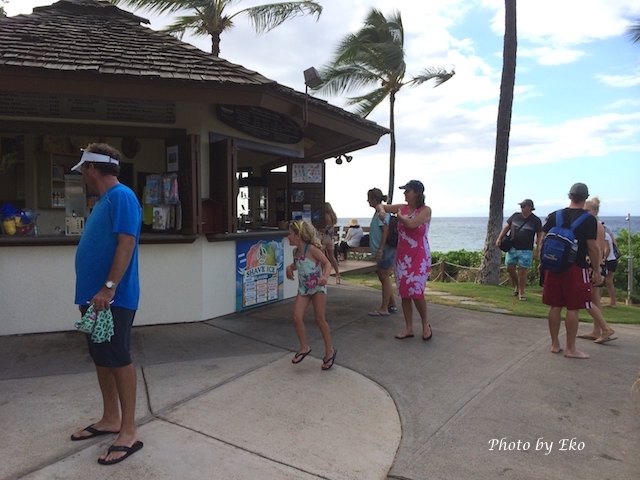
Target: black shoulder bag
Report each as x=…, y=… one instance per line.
x=507, y=241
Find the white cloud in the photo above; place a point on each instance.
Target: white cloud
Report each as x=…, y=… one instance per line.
x=623, y=81
x=551, y=56
x=568, y=22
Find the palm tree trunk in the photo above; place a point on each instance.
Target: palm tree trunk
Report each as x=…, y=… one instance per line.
x=215, y=43
x=491, y=257
x=392, y=146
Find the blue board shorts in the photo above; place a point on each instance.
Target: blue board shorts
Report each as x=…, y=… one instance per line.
x=521, y=258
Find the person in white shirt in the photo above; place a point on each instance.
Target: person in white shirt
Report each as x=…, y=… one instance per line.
x=351, y=239
x=612, y=266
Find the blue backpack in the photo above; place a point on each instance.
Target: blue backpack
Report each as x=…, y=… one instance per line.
x=560, y=246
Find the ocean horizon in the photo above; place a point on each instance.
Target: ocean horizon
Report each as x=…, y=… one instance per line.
x=448, y=234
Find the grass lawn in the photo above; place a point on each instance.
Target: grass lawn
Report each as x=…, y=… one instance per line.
x=501, y=297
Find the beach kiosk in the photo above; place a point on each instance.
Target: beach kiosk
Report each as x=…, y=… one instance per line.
x=220, y=157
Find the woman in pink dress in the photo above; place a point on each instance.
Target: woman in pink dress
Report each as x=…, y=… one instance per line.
x=413, y=257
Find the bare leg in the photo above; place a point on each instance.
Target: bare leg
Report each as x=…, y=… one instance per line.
x=608, y=281
x=601, y=329
x=598, y=321
x=522, y=281
x=421, y=306
x=334, y=264
x=605, y=330
x=110, y=421
x=319, y=300
x=407, y=310
x=555, y=318
x=571, y=326
x=384, y=275
x=299, y=306
x=511, y=270
x=125, y=381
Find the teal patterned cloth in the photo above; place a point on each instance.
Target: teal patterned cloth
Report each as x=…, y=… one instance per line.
x=99, y=324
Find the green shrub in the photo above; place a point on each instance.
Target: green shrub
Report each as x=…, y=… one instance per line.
x=463, y=258
x=620, y=278
x=456, y=259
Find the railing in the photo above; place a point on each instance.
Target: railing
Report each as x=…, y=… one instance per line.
x=462, y=273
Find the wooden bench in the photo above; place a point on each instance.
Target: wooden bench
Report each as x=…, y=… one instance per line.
x=355, y=253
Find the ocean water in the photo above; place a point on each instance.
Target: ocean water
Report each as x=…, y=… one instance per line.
x=468, y=233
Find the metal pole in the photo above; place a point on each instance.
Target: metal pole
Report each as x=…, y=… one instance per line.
x=629, y=262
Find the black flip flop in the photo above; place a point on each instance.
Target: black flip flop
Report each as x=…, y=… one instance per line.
x=121, y=448
x=298, y=357
x=332, y=360
x=93, y=431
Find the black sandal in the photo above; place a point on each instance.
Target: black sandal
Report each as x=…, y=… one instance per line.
x=332, y=360
x=298, y=357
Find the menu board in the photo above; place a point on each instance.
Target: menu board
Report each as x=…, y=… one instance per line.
x=306, y=173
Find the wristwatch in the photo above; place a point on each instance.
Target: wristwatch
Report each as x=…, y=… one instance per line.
x=109, y=284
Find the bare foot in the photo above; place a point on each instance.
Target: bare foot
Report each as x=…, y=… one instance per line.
x=576, y=354
x=404, y=334
x=606, y=337
x=556, y=349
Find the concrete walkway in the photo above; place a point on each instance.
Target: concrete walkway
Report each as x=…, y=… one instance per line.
x=484, y=399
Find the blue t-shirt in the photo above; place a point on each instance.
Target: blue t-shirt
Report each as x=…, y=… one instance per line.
x=117, y=211
x=375, y=231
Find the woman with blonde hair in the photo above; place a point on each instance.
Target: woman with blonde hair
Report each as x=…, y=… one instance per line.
x=313, y=272
x=328, y=244
x=601, y=332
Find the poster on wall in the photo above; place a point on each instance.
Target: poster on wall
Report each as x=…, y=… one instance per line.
x=306, y=173
x=259, y=272
x=172, y=159
x=297, y=196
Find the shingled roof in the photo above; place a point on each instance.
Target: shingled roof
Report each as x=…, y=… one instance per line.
x=95, y=36
x=76, y=41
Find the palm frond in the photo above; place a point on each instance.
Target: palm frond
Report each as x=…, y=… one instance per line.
x=634, y=32
x=184, y=23
x=162, y=6
x=347, y=78
x=207, y=17
x=380, y=57
x=439, y=74
x=267, y=17
x=365, y=104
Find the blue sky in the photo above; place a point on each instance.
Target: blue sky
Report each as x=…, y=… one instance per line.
x=576, y=112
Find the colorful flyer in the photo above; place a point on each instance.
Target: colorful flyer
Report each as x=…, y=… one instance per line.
x=259, y=272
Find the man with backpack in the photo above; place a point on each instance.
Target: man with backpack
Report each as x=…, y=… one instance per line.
x=566, y=276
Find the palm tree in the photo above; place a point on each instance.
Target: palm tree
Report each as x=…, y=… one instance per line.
x=491, y=256
x=210, y=17
x=374, y=57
